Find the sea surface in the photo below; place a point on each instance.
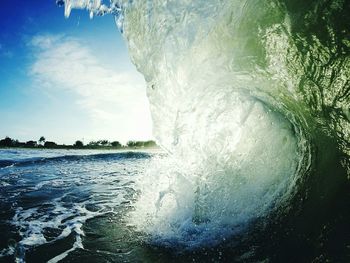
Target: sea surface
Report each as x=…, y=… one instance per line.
x=67, y=204
x=83, y=206
x=250, y=99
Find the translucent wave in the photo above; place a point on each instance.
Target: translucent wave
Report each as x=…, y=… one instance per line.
x=240, y=92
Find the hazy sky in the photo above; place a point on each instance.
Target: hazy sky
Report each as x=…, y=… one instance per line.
x=67, y=79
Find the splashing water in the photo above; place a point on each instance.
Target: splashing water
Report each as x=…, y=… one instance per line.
x=251, y=101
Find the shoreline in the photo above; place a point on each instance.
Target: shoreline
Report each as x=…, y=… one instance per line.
x=107, y=148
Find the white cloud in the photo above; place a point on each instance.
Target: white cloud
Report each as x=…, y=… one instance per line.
x=113, y=100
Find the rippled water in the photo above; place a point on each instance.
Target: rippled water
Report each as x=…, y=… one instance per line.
x=50, y=202
x=250, y=100
x=74, y=206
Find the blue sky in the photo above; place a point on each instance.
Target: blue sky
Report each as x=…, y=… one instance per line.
x=67, y=79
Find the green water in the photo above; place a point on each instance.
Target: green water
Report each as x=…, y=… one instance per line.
x=251, y=99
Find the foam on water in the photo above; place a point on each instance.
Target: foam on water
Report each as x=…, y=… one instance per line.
x=237, y=90
x=53, y=199
x=239, y=178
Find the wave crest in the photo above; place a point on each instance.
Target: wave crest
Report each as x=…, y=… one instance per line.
x=240, y=92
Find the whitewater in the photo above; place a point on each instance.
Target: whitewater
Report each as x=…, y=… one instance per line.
x=250, y=103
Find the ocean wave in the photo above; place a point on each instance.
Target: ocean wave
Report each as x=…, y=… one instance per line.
x=70, y=158
x=251, y=101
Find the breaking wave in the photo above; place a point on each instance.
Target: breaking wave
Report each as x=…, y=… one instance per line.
x=251, y=101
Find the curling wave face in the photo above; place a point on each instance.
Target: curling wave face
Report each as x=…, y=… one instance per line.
x=242, y=93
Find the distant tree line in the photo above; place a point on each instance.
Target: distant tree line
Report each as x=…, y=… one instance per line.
x=140, y=144
x=100, y=144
